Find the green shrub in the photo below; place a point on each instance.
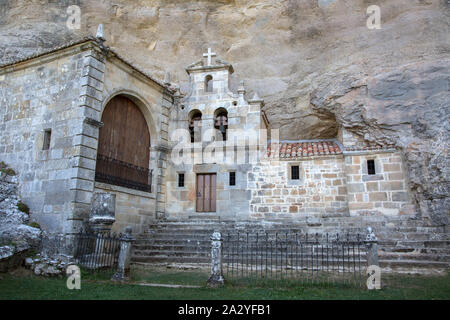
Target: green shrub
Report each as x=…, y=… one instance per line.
x=34, y=225
x=5, y=169
x=23, y=207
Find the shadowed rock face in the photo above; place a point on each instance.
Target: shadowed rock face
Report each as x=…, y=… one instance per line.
x=314, y=62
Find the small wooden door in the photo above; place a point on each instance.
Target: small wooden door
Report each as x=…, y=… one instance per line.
x=206, y=192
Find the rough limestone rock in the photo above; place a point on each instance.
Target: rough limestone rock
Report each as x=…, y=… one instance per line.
x=315, y=63
x=16, y=237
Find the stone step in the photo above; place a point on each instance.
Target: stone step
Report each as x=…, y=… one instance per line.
x=399, y=225
x=413, y=264
x=413, y=256
x=249, y=254
x=306, y=261
x=403, y=243
x=384, y=232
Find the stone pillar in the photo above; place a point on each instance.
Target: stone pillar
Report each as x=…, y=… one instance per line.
x=123, y=268
x=372, y=248
x=216, y=279
x=162, y=155
x=101, y=217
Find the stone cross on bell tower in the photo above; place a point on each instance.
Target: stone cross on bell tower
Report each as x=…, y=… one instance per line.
x=209, y=55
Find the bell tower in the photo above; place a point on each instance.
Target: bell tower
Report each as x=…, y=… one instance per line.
x=210, y=80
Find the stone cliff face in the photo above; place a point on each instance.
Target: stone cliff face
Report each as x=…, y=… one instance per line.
x=315, y=63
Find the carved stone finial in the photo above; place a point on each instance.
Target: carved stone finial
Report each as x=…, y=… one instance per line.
x=100, y=32
x=256, y=97
x=371, y=235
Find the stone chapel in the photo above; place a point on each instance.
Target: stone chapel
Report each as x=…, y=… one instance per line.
x=81, y=119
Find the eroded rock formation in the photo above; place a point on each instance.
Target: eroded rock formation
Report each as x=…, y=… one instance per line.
x=16, y=236
x=315, y=63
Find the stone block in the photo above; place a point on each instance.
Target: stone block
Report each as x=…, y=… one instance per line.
x=354, y=169
x=395, y=176
x=355, y=187
x=391, y=167
x=372, y=186
x=372, y=177
x=391, y=185
x=342, y=190
x=377, y=196
x=399, y=196
x=360, y=205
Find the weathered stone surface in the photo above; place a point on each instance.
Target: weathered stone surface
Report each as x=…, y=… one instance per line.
x=48, y=267
x=14, y=230
x=405, y=107
x=315, y=63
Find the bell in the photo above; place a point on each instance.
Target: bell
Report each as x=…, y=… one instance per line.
x=222, y=128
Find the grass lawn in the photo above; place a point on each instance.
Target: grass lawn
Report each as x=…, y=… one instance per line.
x=23, y=285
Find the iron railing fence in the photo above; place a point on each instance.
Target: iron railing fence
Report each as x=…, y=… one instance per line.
x=120, y=173
x=296, y=257
x=97, y=250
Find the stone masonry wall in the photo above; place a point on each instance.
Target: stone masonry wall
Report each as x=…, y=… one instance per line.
x=385, y=192
x=35, y=96
x=337, y=185
x=320, y=190
x=133, y=208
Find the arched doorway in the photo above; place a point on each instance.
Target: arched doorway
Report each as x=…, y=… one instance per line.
x=124, y=146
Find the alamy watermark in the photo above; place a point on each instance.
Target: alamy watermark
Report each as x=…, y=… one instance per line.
x=74, y=17
x=241, y=146
x=74, y=277
x=374, y=277
x=374, y=19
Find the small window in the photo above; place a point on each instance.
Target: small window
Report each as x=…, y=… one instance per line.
x=181, y=179
x=209, y=83
x=232, y=178
x=371, y=166
x=47, y=138
x=295, y=173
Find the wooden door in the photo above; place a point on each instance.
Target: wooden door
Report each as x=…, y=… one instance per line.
x=206, y=192
x=124, y=142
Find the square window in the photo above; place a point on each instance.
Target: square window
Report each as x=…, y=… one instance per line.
x=181, y=180
x=232, y=178
x=371, y=166
x=295, y=173
x=47, y=138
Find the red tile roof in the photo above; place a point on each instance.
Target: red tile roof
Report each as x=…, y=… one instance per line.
x=303, y=149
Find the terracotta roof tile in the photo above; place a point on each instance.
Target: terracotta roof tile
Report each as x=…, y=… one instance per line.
x=302, y=149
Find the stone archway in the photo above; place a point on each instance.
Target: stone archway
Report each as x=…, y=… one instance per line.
x=124, y=146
